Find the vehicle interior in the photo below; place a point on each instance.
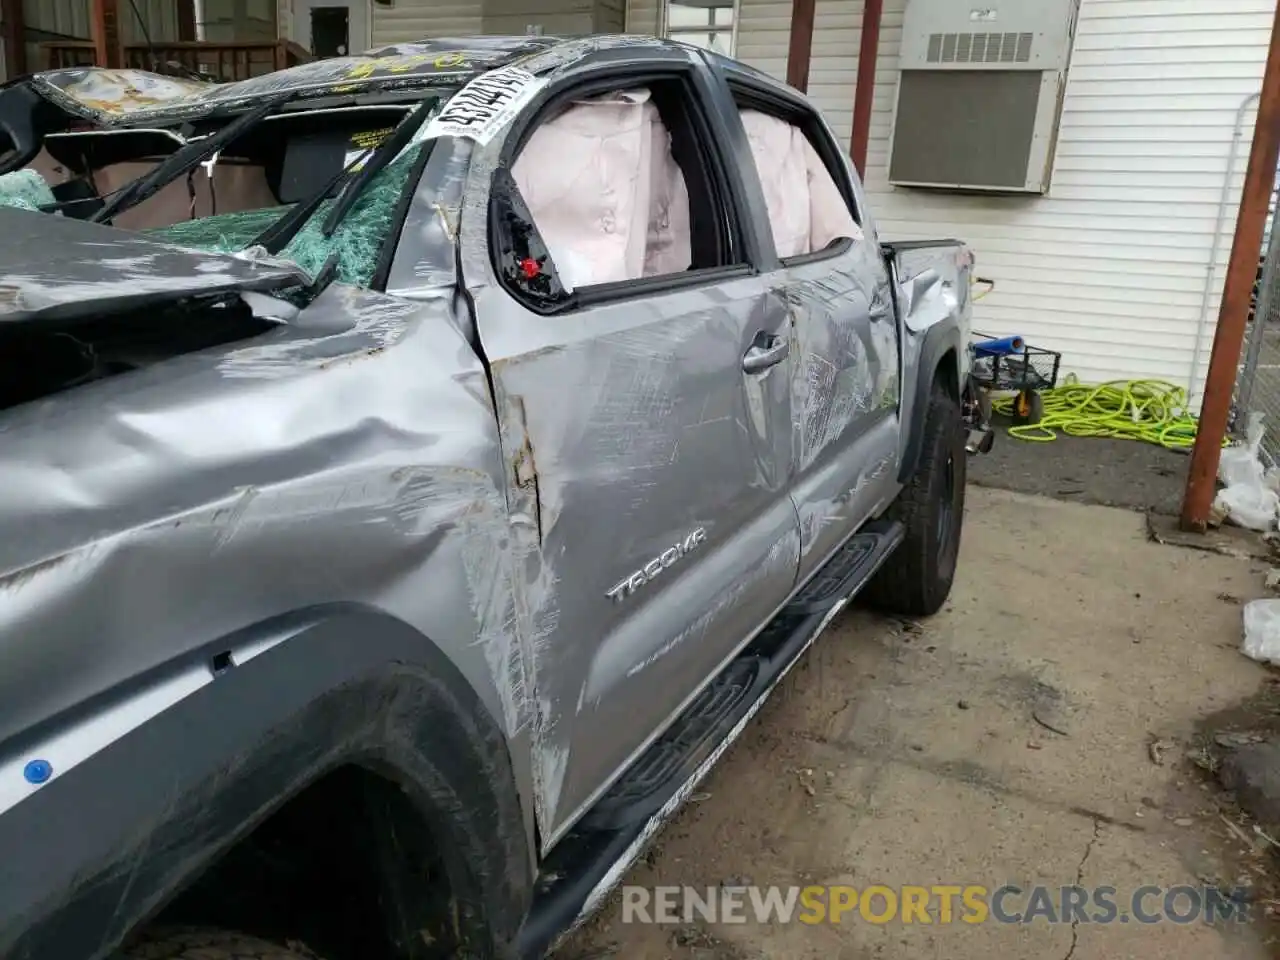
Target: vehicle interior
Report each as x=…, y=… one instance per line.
x=224, y=204
x=618, y=189
x=283, y=164
x=606, y=179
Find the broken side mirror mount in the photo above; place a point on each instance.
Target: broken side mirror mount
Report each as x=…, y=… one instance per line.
x=519, y=254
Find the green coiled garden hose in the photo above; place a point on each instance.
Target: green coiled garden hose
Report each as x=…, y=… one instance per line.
x=1152, y=411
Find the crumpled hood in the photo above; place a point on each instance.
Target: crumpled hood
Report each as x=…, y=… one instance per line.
x=324, y=460
x=57, y=269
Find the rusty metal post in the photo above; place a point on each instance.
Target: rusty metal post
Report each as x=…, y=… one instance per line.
x=187, y=20
x=104, y=25
x=15, y=38
x=1233, y=313
x=800, y=47
x=865, y=91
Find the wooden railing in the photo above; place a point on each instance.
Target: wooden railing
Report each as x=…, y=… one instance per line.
x=55, y=55
x=221, y=62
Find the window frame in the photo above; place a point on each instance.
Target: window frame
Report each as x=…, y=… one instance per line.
x=736, y=238
x=749, y=94
x=676, y=33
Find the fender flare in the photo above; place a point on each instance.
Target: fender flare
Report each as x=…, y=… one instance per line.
x=103, y=846
x=940, y=346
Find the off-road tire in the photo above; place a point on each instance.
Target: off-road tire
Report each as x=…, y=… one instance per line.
x=200, y=943
x=916, y=580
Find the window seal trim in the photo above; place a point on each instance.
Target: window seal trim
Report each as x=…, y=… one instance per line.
x=599, y=294
x=836, y=248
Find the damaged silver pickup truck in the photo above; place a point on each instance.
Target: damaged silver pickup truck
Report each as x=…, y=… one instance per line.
x=418, y=468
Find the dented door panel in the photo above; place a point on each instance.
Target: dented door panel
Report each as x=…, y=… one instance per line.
x=648, y=486
x=845, y=393
x=649, y=500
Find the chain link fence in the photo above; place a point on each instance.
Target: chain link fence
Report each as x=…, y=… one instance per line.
x=1258, y=382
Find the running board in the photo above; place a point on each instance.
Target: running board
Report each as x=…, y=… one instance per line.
x=591, y=859
x=850, y=567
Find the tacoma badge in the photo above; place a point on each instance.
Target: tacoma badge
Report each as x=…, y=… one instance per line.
x=668, y=558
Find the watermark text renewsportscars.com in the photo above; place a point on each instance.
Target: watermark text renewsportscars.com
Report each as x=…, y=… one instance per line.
x=938, y=904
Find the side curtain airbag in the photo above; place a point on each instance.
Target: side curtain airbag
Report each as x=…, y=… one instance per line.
x=604, y=191
x=806, y=209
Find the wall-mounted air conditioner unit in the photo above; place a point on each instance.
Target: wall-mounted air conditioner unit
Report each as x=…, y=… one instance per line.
x=980, y=93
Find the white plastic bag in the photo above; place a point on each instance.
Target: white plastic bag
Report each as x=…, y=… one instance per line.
x=1241, y=465
x=1262, y=631
x=1271, y=480
x=1249, y=506
x=1248, y=498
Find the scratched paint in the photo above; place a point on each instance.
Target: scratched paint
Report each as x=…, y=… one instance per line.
x=596, y=898
x=200, y=495
x=639, y=439
x=782, y=555
x=369, y=326
x=354, y=452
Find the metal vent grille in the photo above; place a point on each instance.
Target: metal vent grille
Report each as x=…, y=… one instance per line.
x=980, y=47
x=965, y=128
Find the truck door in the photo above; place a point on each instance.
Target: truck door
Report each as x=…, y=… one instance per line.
x=836, y=285
x=642, y=375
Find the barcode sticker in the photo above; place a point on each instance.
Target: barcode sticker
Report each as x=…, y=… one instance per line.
x=485, y=105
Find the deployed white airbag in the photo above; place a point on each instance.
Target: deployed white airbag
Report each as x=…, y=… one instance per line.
x=806, y=209
x=669, y=247
x=604, y=191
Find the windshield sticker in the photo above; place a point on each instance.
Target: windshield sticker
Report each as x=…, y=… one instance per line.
x=485, y=105
x=360, y=143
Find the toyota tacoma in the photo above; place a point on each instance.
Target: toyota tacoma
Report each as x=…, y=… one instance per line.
x=418, y=468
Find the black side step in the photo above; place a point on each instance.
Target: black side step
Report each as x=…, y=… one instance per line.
x=613, y=833
x=848, y=569
x=646, y=786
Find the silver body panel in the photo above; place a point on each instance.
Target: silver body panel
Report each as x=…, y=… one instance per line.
x=364, y=453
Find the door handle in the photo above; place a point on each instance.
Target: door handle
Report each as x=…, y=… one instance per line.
x=764, y=355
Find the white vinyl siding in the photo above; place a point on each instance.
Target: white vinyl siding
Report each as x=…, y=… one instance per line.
x=160, y=16
x=410, y=20
x=1110, y=266
x=564, y=18
x=643, y=17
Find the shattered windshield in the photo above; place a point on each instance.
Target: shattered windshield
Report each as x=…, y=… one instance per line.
x=364, y=217
x=326, y=184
